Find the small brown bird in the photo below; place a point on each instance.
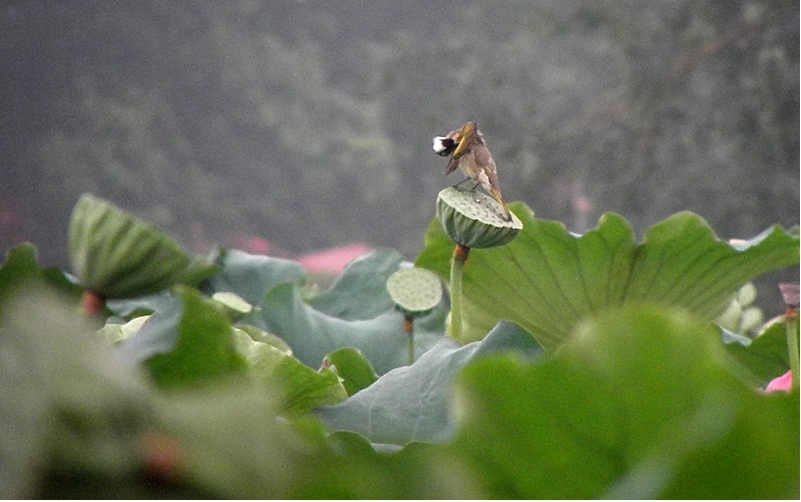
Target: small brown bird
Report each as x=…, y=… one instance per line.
x=472, y=156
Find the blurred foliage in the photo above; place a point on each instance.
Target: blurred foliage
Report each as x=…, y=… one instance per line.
x=615, y=392
x=641, y=402
x=639, y=405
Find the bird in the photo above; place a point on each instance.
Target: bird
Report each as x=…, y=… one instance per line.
x=469, y=152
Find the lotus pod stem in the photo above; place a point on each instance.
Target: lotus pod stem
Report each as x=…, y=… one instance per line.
x=91, y=302
x=458, y=261
x=416, y=292
x=408, y=327
x=791, y=325
x=789, y=293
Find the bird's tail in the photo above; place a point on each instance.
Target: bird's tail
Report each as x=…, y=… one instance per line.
x=497, y=196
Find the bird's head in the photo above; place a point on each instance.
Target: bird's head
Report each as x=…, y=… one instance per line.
x=445, y=145
x=468, y=135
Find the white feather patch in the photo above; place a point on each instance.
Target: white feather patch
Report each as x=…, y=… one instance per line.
x=439, y=146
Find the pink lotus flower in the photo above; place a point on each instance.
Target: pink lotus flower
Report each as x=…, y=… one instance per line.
x=784, y=382
x=253, y=245
x=332, y=261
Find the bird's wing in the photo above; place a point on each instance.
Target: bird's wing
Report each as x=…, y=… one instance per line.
x=484, y=158
x=453, y=163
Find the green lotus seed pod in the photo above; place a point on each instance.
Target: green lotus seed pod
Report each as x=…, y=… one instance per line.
x=116, y=255
x=474, y=219
x=415, y=290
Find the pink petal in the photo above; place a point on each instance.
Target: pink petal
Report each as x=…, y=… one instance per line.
x=784, y=382
x=253, y=245
x=332, y=260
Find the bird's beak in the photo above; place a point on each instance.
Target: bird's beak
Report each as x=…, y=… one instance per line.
x=465, y=134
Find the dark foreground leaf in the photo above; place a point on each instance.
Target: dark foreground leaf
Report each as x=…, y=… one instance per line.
x=640, y=404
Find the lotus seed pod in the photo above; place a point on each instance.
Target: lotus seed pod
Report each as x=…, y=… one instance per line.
x=415, y=290
x=118, y=256
x=474, y=219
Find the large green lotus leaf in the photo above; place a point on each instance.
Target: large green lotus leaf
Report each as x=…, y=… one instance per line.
x=352, y=368
x=251, y=276
x=21, y=268
x=64, y=397
x=128, y=308
x=197, y=271
x=729, y=449
x=305, y=389
x=233, y=447
x=119, y=256
x=360, y=293
x=231, y=444
x=633, y=406
x=23, y=405
x=204, y=349
x=413, y=403
x=765, y=357
x=159, y=333
x=548, y=279
x=258, y=335
x=420, y=471
x=313, y=335
x=117, y=333
x=301, y=388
